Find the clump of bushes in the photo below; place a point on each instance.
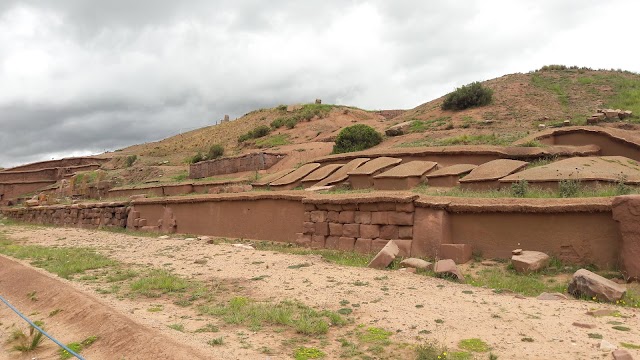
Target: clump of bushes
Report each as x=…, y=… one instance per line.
x=131, y=159
x=215, y=151
x=196, y=158
x=256, y=133
x=355, y=138
x=308, y=112
x=468, y=96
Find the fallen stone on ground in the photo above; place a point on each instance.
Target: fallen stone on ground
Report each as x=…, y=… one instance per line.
x=621, y=354
x=415, y=263
x=583, y=325
x=446, y=268
x=516, y=252
x=607, y=346
x=409, y=270
x=602, y=312
x=385, y=257
x=552, y=296
x=584, y=283
x=530, y=261
x=398, y=129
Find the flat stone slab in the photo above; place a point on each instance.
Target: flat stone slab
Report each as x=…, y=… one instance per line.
x=296, y=175
x=272, y=177
x=342, y=174
x=375, y=165
x=596, y=168
x=410, y=169
x=453, y=170
x=494, y=170
x=321, y=173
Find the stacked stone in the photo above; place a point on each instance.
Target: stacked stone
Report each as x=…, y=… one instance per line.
x=365, y=228
x=82, y=215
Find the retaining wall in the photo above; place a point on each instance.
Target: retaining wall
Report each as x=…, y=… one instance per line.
x=231, y=165
x=94, y=215
x=13, y=190
x=581, y=231
x=68, y=162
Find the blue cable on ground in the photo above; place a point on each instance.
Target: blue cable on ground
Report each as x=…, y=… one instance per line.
x=39, y=329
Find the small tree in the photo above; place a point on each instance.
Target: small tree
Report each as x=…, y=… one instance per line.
x=131, y=159
x=355, y=138
x=472, y=95
x=215, y=151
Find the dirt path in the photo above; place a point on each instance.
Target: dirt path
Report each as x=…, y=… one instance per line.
x=414, y=307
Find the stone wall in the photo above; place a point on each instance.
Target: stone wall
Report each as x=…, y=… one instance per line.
x=69, y=162
x=363, y=226
x=231, y=165
x=95, y=215
x=582, y=231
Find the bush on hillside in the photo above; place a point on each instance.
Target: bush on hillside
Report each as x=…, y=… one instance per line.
x=468, y=96
x=131, y=159
x=257, y=132
x=215, y=151
x=355, y=138
x=196, y=158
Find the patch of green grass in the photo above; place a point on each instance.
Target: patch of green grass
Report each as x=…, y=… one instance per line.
x=629, y=346
x=293, y=314
x=273, y=141
x=76, y=347
x=177, y=327
x=337, y=257
x=298, y=266
x=375, y=335
x=621, y=328
x=121, y=275
x=594, y=336
x=158, y=282
x=305, y=353
x=556, y=85
x=216, y=341
x=65, y=262
x=27, y=343
x=474, y=344
x=525, y=284
x=209, y=327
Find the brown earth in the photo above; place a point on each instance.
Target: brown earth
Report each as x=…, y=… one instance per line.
x=413, y=307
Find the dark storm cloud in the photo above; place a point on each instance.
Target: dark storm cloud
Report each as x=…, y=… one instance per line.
x=83, y=76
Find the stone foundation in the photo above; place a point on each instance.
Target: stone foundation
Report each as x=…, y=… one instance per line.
x=95, y=215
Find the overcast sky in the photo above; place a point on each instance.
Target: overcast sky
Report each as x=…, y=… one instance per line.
x=80, y=77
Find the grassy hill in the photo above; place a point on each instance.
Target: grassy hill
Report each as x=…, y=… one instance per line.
x=520, y=103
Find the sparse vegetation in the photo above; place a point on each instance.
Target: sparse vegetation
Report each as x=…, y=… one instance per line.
x=26, y=343
x=468, y=96
x=130, y=160
x=356, y=138
x=257, y=132
x=215, y=151
x=158, y=282
x=273, y=141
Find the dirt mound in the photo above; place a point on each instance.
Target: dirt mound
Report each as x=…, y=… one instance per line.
x=78, y=316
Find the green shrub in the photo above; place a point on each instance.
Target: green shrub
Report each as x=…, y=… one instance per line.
x=355, y=138
x=196, y=158
x=279, y=122
x=257, y=132
x=568, y=188
x=215, y=151
x=468, y=96
x=281, y=107
x=519, y=188
x=131, y=159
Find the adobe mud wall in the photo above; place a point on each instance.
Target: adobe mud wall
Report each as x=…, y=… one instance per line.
x=276, y=217
x=69, y=162
x=44, y=174
x=77, y=215
x=13, y=190
x=230, y=165
x=608, y=145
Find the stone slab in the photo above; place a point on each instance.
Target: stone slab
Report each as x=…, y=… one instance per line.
x=494, y=170
x=342, y=174
x=321, y=173
x=453, y=170
x=295, y=176
x=409, y=169
x=375, y=166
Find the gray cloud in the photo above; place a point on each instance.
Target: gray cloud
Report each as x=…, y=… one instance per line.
x=87, y=76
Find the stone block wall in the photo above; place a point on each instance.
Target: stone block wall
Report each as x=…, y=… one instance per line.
x=78, y=215
x=363, y=227
x=231, y=165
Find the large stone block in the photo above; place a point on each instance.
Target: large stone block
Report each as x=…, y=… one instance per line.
x=380, y=217
x=389, y=232
x=385, y=257
x=346, y=243
x=530, y=261
x=351, y=230
x=335, y=229
x=318, y=216
x=369, y=231
x=400, y=218
x=321, y=229
x=363, y=217
x=303, y=239
x=317, y=242
x=362, y=246
x=626, y=211
x=346, y=217
x=331, y=242
x=333, y=216
x=584, y=283
x=405, y=232
x=308, y=227
x=460, y=253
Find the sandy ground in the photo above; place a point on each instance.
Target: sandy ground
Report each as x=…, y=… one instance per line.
x=406, y=304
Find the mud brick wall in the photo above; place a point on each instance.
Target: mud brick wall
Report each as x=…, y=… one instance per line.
x=69, y=162
x=230, y=165
x=363, y=227
x=78, y=215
